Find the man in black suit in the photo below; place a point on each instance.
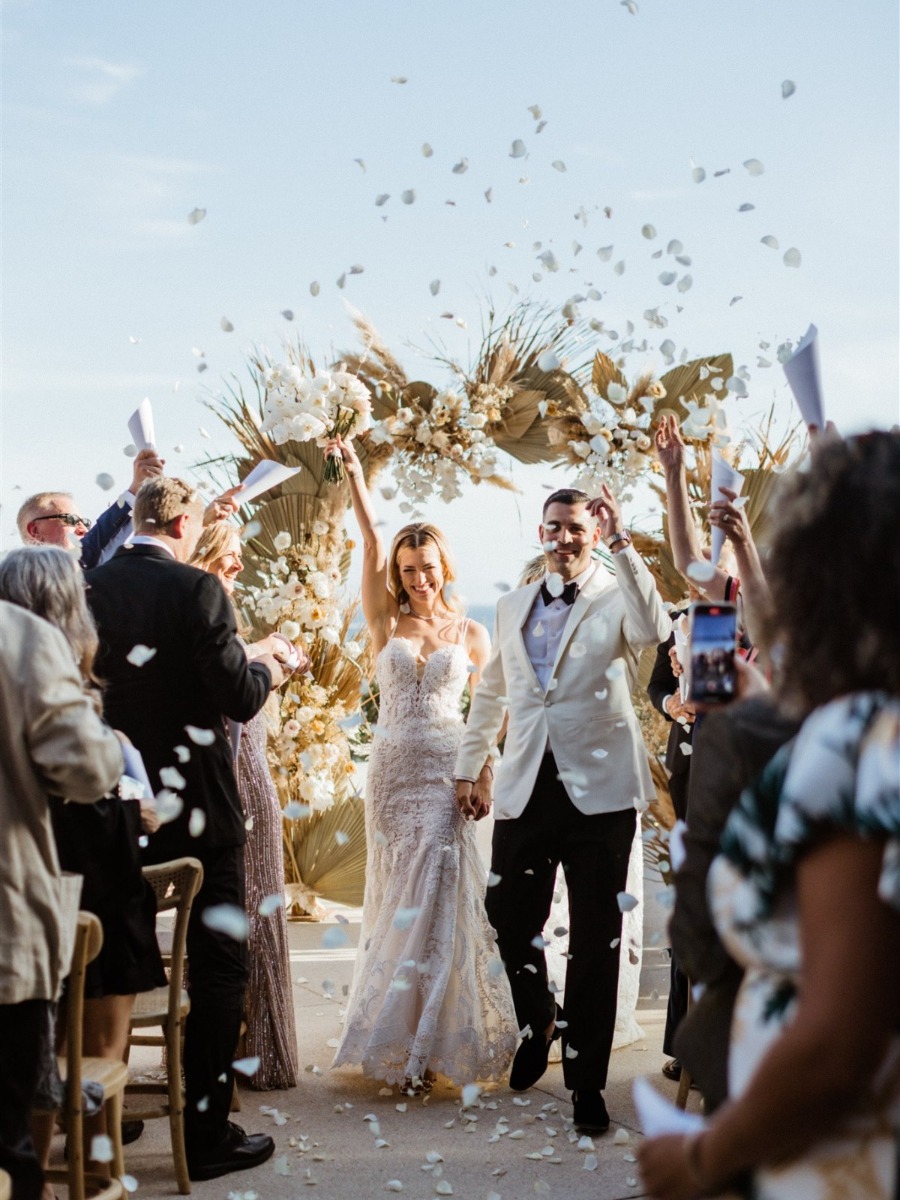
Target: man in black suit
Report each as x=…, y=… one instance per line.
x=174, y=667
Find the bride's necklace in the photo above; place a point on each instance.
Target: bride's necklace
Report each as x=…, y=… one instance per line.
x=420, y=617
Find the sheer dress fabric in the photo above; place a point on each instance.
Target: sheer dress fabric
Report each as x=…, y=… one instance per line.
x=429, y=990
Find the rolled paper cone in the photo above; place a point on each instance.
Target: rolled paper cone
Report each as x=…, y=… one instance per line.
x=140, y=426
x=723, y=475
x=802, y=373
x=265, y=475
x=683, y=654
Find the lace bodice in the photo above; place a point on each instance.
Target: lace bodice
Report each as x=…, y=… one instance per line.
x=417, y=693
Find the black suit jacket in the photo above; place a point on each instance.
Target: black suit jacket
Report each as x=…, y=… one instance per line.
x=731, y=747
x=198, y=674
x=664, y=682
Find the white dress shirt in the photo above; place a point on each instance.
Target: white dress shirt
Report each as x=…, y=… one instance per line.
x=543, y=630
x=146, y=539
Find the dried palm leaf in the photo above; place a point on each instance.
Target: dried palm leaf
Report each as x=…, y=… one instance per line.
x=604, y=372
x=684, y=382
x=329, y=866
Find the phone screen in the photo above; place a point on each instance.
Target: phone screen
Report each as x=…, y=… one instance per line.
x=713, y=638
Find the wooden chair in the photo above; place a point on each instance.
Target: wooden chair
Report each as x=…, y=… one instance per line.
x=75, y=1069
x=686, y=1081
x=5, y=1186
x=176, y=884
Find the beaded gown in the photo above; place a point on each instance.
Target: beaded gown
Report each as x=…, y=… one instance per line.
x=268, y=1002
x=429, y=989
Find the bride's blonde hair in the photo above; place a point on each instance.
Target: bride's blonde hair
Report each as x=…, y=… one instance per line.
x=414, y=537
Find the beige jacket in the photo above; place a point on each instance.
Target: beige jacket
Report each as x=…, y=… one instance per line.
x=51, y=741
x=586, y=712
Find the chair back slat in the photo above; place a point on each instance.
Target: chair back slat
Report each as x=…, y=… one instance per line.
x=176, y=883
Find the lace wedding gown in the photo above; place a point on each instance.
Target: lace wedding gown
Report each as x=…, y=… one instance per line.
x=429, y=989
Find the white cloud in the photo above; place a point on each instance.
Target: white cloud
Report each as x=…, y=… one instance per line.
x=102, y=79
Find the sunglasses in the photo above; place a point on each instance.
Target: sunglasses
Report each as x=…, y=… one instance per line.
x=66, y=518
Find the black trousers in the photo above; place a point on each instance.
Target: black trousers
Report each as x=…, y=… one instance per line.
x=677, y=1005
x=594, y=852
x=217, y=978
x=22, y=1028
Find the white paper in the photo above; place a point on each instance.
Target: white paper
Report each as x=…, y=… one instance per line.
x=677, y=853
x=723, y=475
x=802, y=372
x=137, y=773
x=683, y=654
x=140, y=426
x=266, y=474
x=658, y=1116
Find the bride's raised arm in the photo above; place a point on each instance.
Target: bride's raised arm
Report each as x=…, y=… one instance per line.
x=380, y=609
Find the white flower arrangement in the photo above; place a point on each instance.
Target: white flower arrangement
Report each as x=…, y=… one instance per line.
x=302, y=408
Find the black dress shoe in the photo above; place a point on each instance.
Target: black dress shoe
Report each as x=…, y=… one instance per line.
x=530, y=1062
x=590, y=1115
x=672, y=1070
x=238, y=1152
x=131, y=1131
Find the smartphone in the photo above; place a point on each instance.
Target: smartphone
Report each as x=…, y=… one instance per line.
x=713, y=639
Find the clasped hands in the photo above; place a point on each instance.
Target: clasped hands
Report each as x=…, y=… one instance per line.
x=474, y=800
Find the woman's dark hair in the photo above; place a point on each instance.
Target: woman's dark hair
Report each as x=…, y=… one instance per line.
x=834, y=571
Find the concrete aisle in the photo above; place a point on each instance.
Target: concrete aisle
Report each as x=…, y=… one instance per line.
x=326, y=1148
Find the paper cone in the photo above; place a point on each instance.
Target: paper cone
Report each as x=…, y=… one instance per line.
x=723, y=475
x=140, y=426
x=802, y=372
x=266, y=474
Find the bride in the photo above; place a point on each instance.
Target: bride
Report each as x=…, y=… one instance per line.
x=429, y=992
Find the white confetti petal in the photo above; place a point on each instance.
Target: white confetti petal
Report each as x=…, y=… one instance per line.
x=626, y=901
x=409, y=196
x=461, y=167
x=171, y=777
x=746, y=208
x=227, y=919
x=685, y=283
x=577, y=650
x=792, y=257
x=667, y=277
x=788, y=88
x=649, y=232
x=399, y=79
x=101, y=1148
x=139, y=655
x=548, y=361
x=393, y=1185
x=698, y=174
x=517, y=150
x=434, y=287
x=598, y=753
x=105, y=482
x=426, y=150
x=196, y=215
x=197, y=822
x=555, y=584
x=288, y=314
x=200, y=737
x=558, y=165
x=701, y=571
x=754, y=166
x=770, y=241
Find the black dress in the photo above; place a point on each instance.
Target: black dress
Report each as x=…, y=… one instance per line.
x=100, y=842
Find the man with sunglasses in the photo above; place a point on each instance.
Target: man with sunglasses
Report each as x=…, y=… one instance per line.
x=53, y=519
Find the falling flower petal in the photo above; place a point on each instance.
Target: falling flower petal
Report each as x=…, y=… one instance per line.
x=598, y=753
x=619, y=268
x=626, y=901
x=334, y=938
x=674, y=247
x=698, y=174
x=558, y=165
x=792, y=257
x=461, y=167
x=770, y=241
x=434, y=287
x=382, y=199
x=746, y=208
x=409, y=196
x=246, y=1066
x=197, y=822
x=361, y=164
x=426, y=150
x=139, y=655
x=685, y=283
x=288, y=314
x=271, y=904
x=196, y=215
x=605, y=253
x=754, y=166
x=517, y=150
x=399, y=79
x=405, y=917
x=548, y=361
x=200, y=737
x=649, y=232
x=667, y=277
x=788, y=88
x=105, y=482
x=227, y=919
x=701, y=571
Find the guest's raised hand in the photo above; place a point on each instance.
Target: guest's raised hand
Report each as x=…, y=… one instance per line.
x=337, y=447
x=147, y=465
x=605, y=508
x=223, y=506
x=669, y=443
x=725, y=515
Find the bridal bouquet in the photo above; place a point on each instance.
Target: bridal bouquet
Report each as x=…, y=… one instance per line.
x=303, y=408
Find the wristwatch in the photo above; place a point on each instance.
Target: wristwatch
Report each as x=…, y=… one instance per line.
x=622, y=536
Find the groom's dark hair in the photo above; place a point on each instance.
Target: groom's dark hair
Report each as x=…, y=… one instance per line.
x=565, y=496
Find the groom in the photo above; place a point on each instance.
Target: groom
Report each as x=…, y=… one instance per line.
x=564, y=664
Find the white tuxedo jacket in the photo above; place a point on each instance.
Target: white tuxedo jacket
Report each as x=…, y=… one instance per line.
x=586, y=711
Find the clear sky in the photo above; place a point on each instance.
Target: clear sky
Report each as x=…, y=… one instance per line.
x=120, y=119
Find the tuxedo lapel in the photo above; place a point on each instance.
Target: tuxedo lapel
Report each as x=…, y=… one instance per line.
x=597, y=583
x=525, y=597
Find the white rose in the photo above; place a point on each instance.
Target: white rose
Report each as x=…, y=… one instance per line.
x=305, y=714
x=291, y=728
x=474, y=421
x=328, y=633
x=290, y=630
x=582, y=449
x=600, y=446
x=352, y=649
x=320, y=528
x=616, y=394
x=281, y=541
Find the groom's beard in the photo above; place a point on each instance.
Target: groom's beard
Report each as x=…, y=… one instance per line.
x=571, y=565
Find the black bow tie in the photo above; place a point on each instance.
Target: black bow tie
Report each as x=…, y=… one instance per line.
x=568, y=594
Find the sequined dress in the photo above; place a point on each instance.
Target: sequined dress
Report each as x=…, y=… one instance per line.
x=268, y=1001
x=429, y=990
